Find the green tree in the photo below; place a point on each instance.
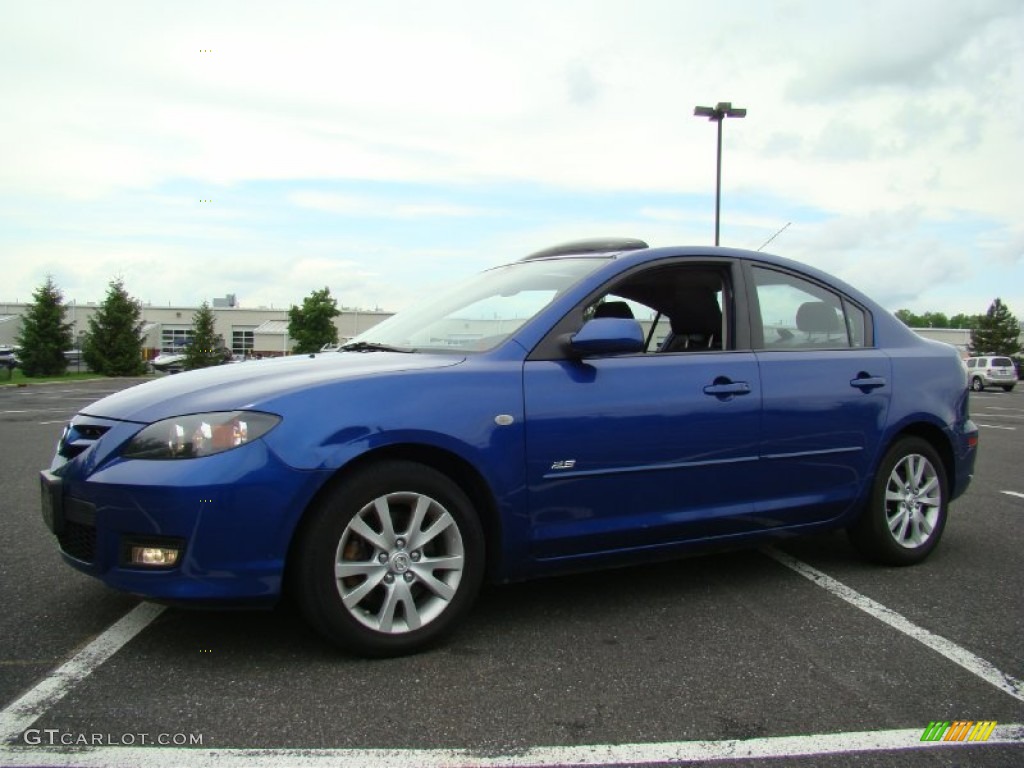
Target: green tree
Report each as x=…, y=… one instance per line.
x=44, y=335
x=204, y=347
x=963, y=321
x=935, y=320
x=925, y=320
x=113, y=345
x=908, y=318
x=312, y=325
x=997, y=332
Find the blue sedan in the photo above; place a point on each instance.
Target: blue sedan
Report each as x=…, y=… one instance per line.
x=591, y=405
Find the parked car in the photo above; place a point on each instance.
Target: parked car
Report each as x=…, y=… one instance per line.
x=991, y=372
x=174, y=361
x=169, y=362
x=9, y=358
x=591, y=405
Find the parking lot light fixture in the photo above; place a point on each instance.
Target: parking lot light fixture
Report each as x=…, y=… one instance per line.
x=717, y=114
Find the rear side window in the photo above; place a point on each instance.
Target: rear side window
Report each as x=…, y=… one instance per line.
x=1001, y=362
x=799, y=314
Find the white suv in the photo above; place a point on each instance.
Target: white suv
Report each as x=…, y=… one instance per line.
x=991, y=372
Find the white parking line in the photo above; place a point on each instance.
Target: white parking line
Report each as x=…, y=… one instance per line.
x=677, y=753
x=993, y=426
x=19, y=715
x=42, y=410
x=1014, y=493
x=973, y=664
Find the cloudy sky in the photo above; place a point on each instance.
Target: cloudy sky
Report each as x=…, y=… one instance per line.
x=268, y=149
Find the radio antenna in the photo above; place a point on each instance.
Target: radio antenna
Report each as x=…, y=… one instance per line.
x=775, y=235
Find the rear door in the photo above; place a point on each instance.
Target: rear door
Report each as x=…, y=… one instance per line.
x=826, y=394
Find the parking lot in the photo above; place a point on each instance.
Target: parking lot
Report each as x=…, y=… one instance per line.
x=798, y=655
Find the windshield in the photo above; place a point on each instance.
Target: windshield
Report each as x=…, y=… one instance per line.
x=482, y=312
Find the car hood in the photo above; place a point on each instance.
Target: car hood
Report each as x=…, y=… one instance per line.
x=253, y=385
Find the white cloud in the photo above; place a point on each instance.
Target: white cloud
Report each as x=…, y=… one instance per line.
x=867, y=114
x=349, y=205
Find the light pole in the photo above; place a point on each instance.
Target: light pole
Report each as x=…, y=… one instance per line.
x=718, y=114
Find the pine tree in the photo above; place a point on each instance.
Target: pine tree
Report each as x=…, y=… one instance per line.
x=204, y=347
x=44, y=335
x=113, y=346
x=312, y=326
x=996, y=333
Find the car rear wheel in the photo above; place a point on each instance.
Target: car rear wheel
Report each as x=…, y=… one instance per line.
x=906, y=513
x=977, y=384
x=1008, y=387
x=389, y=560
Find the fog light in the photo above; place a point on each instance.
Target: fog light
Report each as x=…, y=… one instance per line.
x=160, y=557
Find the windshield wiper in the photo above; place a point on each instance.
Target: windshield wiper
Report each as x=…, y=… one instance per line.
x=371, y=346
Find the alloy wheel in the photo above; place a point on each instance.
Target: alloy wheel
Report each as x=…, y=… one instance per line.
x=399, y=562
x=913, y=500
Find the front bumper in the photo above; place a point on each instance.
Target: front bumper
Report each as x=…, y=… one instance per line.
x=232, y=515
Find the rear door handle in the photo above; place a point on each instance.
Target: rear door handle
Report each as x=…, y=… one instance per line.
x=865, y=382
x=727, y=388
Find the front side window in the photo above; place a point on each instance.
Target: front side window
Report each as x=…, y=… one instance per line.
x=798, y=314
x=681, y=308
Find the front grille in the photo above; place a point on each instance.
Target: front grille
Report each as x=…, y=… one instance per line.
x=78, y=540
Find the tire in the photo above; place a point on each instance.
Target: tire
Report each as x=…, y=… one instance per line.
x=389, y=560
x=906, y=513
x=1008, y=387
x=977, y=384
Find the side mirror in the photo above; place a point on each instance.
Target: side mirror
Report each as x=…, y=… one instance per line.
x=608, y=336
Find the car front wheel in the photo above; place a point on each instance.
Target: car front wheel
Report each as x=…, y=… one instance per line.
x=906, y=513
x=977, y=384
x=389, y=560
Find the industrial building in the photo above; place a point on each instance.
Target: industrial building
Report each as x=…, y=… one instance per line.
x=246, y=332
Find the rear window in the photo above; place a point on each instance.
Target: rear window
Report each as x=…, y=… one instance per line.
x=1002, y=362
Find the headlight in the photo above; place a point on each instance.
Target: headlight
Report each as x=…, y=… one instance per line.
x=199, y=434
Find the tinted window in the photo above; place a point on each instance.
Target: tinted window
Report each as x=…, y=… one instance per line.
x=680, y=308
x=1001, y=362
x=799, y=314
x=485, y=310
x=856, y=324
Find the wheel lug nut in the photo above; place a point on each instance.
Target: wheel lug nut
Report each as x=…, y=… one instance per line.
x=388, y=578
x=400, y=543
x=415, y=557
x=409, y=576
x=382, y=558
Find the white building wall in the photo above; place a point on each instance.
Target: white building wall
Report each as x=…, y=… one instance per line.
x=227, y=320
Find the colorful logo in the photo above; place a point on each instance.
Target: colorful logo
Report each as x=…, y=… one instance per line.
x=958, y=730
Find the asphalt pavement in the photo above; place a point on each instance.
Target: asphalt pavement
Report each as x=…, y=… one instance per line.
x=737, y=659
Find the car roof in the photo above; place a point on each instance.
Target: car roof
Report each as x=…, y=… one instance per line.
x=633, y=250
